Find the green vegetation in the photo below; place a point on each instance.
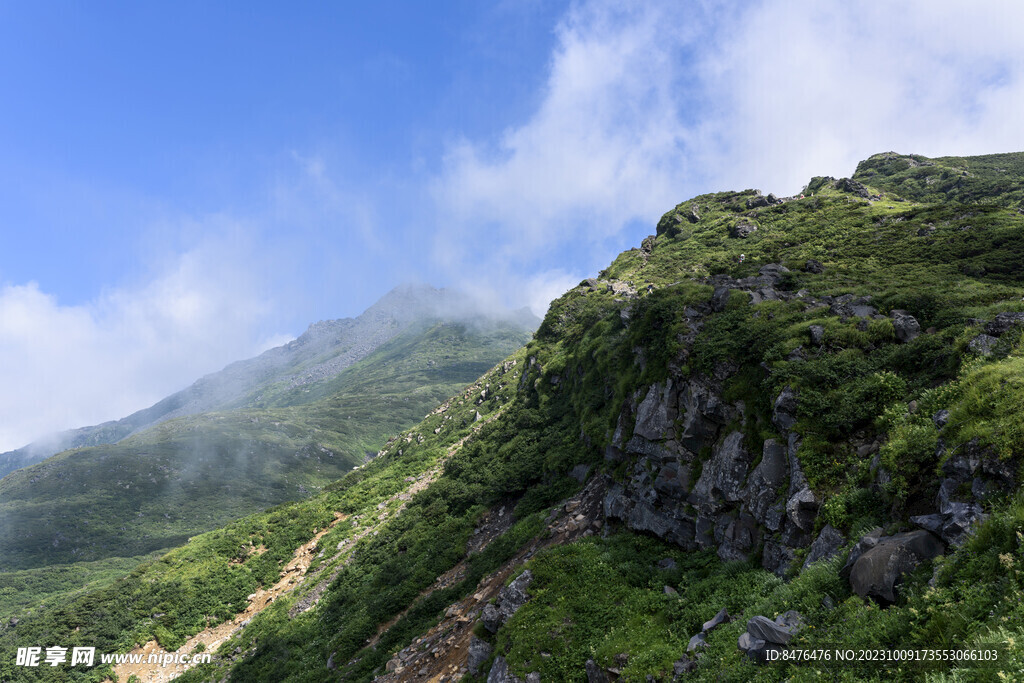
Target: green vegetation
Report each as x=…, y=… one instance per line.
x=948, y=254
x=158, y=488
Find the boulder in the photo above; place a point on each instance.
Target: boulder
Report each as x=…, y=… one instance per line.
x=1004, y=322
x=877, y=572
x=853, y=187
x=817, y=334
x=906, y=326
x=940, y=418
x=777, y=558
x=479, y=652
x=742, y=230
x=828, y=543
x=696, y=643
x=715, y=621
x=983, y=344
x=775, y=272
x=802, y=509
x=763, y=628
x=719, y=298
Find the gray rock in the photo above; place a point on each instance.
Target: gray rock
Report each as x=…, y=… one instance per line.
x=667, y=564
x=755, y=648
x=742, y=230
x=703, y=415
x=479, y=652
x=723, y=474
x=757, y=201
x=683, y=665
x=982, y=345
x=715, y=621
x=906, y=326
x=719, y=299
x=777, y=558
x=738, y=537
x=697, y=642
x=655, y=413
x=878, y=570
x=784, y=412
x=817, y=334
x=853, y=187
x=491, y=618
x=594, y=673
x=867, y=541
x=763, y=628
x=932, y=523
x=763, y=485
x=510, y=599
x=1004, y=322
x=940, y=418
x=813, y=266
x=580, y=472
x=828, y=543
x=500, y=673
x=802, y=509
x=775, y=272
x=533, y=677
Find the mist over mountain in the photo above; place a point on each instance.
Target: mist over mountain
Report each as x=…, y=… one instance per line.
x=320, y=353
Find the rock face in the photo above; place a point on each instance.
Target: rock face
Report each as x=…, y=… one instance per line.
x=510, y=599
x=479, y=652
x=500, y=673
x=882, y=561
x=828, y=543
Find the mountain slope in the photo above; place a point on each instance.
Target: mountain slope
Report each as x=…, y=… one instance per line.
x=686, y=434
x=186, y=475
x=315, y=357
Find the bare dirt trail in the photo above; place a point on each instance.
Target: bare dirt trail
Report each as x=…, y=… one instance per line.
x=293, y=576
x=211, y=638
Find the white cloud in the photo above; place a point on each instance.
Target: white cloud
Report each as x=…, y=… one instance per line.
x=602, y=148
x=812, y=88
x=647, y=104
x=69, y=366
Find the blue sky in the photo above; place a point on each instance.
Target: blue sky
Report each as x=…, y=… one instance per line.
x=183, y=184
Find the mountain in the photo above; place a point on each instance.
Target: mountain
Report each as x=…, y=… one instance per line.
x=274, y=428
x=780, y=425
x=315, y=357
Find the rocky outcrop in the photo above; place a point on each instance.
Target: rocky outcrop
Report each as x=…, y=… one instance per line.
x=510, y=599
x=743, y=229
x=828, y=544
x=905, y=325
x=1003, y=323
x=479, y=652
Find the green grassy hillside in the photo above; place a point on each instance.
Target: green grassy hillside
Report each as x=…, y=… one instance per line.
x=188, y=475
x=804, y=341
